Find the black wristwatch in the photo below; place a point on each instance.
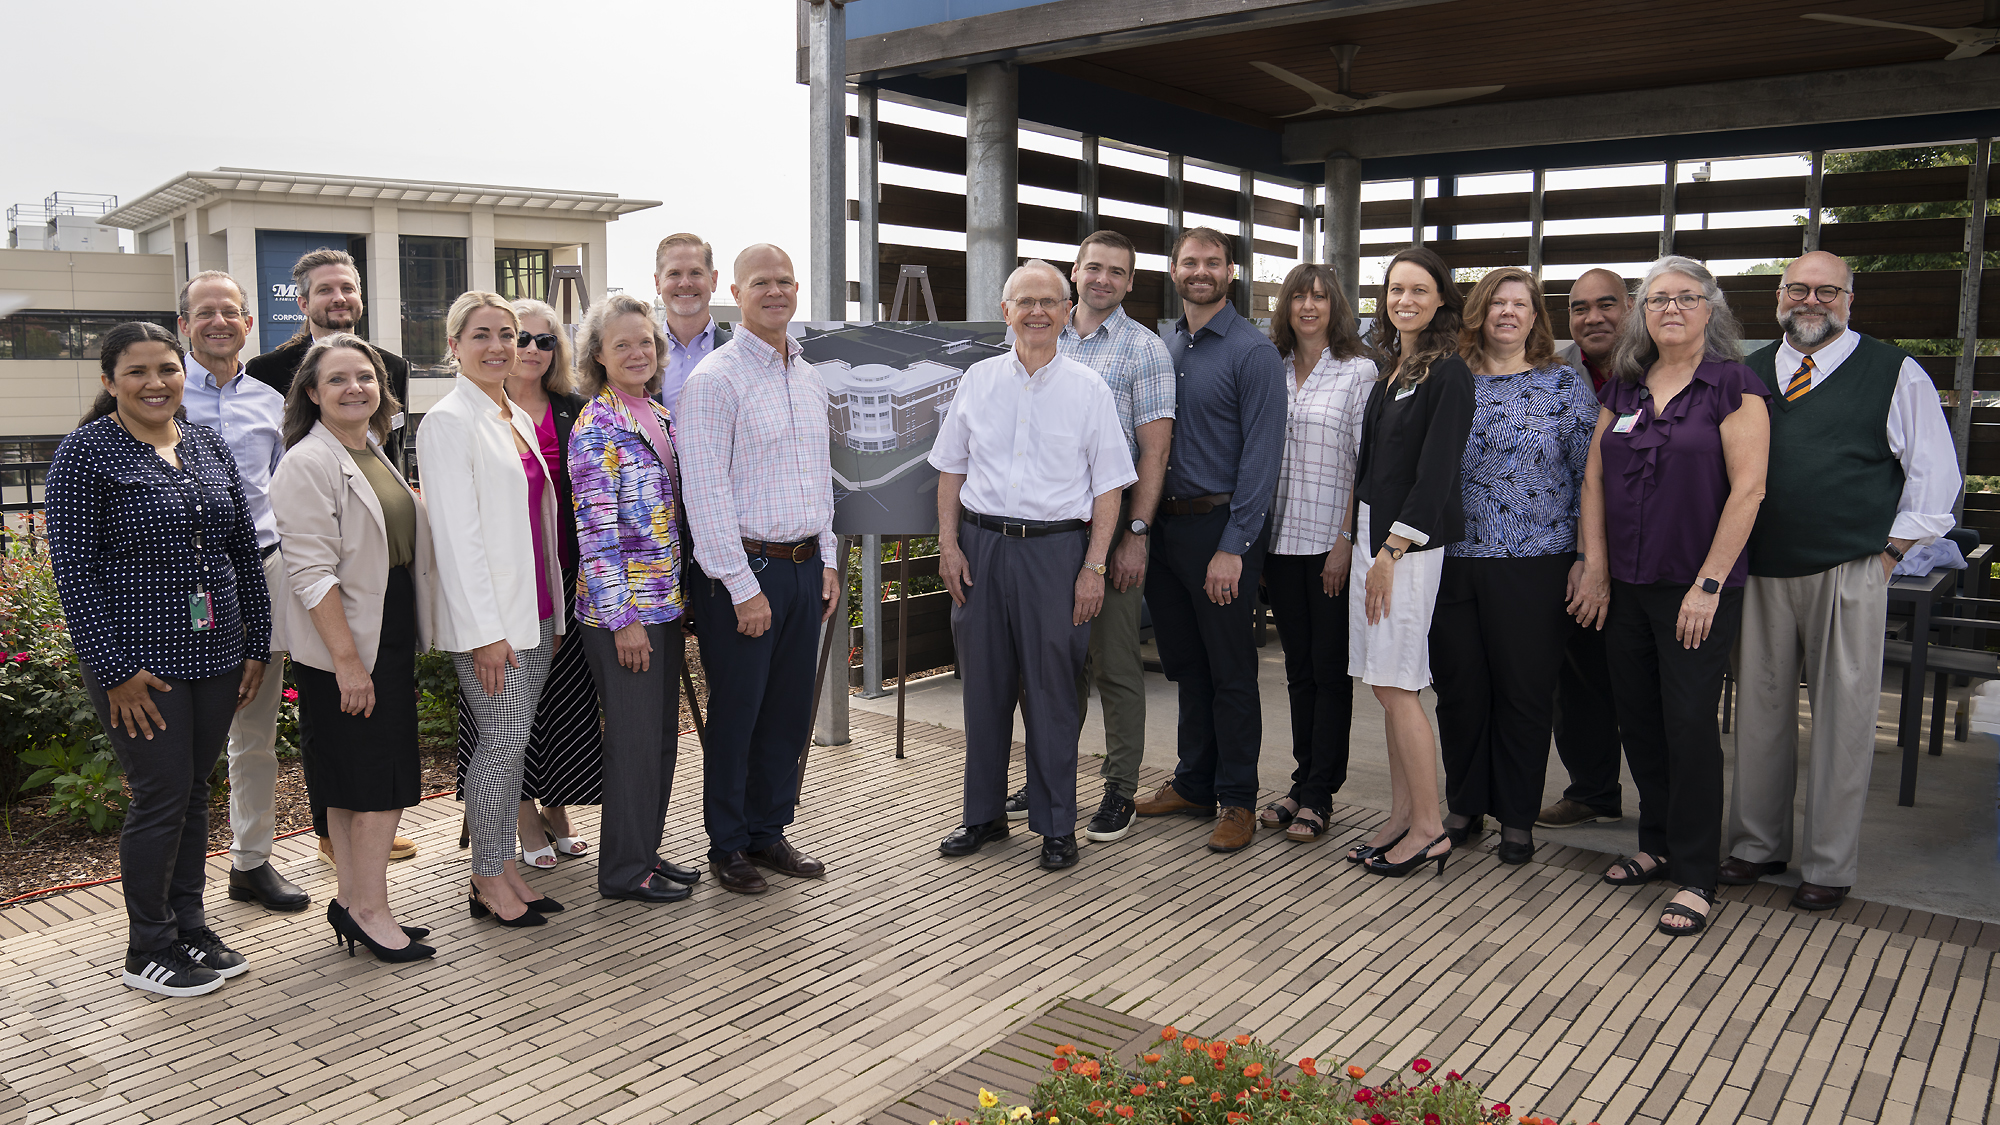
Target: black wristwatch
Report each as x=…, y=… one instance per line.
x=1890, y=550
x=1709, y=585
x=1139, y=527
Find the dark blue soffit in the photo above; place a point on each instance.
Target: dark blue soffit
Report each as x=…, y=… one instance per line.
x=883, y=17
x=1088, y=107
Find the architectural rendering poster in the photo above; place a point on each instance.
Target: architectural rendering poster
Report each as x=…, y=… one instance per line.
x=888, y=387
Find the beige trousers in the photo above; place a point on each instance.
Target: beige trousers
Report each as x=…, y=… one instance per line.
x=1832, y=622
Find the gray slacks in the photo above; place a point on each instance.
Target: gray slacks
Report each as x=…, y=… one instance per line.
x=1832, y=621
x=493, y=783
x=1016, y=642
x=642, y=712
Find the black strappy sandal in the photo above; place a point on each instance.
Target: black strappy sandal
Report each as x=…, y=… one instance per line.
x=1307, y=826
x=1676, y=910
x=1363, y=852
x=1634, y=874
x=1276, y=815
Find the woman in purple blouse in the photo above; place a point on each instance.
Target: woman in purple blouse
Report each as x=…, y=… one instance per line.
x=1676, y=475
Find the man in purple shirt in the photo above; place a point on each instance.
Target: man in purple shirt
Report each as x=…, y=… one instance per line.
x=684, y=273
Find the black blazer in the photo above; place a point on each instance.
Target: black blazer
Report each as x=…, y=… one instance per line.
x=565, y=408
x=1411, y=447
x=276, y=367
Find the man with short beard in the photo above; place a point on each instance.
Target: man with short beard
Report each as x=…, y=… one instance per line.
x=684, y=274
x=1208, y=545
x=1862, y=468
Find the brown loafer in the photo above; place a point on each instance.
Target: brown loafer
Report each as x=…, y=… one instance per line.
x=1741, y=872
x=1812, y=896
x=1233, y=832
x=783, y=858
x=735, y=872
x=402, y=847
x=1168, y=800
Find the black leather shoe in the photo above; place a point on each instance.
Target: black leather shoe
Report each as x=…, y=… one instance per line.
x=1058, y=852
x=971, y=837
x=686, y=876
x=263, y=884
x=785, y=859
x=1516, y=853
x=1742, y=872
x=736, y=873
x=661, y=889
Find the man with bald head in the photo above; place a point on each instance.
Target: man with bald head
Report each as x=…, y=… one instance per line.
x=1861, y=469
x=1032, y=466
x=758, y=487
x=1586, y=723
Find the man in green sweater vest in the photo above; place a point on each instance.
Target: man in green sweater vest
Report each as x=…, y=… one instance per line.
x=1862, y=469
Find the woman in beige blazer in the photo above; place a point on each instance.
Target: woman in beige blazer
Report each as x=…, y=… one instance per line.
x=360, y=581
x=493, y=504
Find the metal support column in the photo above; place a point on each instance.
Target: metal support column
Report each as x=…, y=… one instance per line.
x=992, y=185
x=1667, y=208
x=871, y=617
x=826, y=53
x=1535, y=223
x=1968, y=301
x=1176, y=222
x=1087, y=190
x=1308, y=213
x=1246, y=244
x=1417, y=211
x=1343, y=223
x=830, y=707
x=1815, y=200
x=868, y=185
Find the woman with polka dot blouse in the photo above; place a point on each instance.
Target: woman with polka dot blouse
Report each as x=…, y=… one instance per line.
x=148, y=531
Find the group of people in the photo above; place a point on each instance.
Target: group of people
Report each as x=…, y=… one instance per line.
x=1570, y=544
x=209, y=515
x=1564, y=542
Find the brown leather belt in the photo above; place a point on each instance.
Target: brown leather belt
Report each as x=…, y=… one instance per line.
x=804, y=550
x=1197, y=506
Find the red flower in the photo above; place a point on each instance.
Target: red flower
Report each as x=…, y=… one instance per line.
x=1243, y=1095
x=1124, y=1111
x=1233, y=1117
x=1433, y=1119
x=1095, y=1106
x=1253, y=1070
x=1502, y=1109
x=1365, y=1096
x=1060, y=1064
x=1308, y=1068
x=1453, y=1076
x=1421, y=1065
x=1378, y=1119
x=291, y=695
x=1215, y=1095
x=1285, y=1094
x=1436, y=1089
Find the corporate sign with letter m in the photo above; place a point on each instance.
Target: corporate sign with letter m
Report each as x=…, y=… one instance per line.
x=278, y=315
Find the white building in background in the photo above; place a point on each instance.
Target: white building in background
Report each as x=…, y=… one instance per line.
x=876, y=408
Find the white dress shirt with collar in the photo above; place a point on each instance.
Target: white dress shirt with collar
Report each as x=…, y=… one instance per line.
x=1918, y=436
x=1033, y=447
x=250, y=416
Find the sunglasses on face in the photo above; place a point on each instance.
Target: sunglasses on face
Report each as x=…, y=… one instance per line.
x=546, y=341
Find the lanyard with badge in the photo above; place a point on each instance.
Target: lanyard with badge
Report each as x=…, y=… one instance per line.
x=201, y=603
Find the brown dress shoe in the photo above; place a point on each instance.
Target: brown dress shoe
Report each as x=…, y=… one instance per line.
x=1812, y=896
x=783, y=858
x=735, y=872
x=1233, y=832
x=1741, y=872
x=1168, y=800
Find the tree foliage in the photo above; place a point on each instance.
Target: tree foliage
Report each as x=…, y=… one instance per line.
x=1894, y=159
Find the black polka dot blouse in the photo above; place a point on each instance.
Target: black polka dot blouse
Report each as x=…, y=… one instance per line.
x=123, y=532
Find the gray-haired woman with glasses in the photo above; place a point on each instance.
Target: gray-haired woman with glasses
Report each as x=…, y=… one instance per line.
x=1675, y=478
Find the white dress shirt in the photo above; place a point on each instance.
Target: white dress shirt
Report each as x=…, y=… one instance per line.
x=250, y=416
x=1322, y=440
x=1918, y=436
x=1033, y=447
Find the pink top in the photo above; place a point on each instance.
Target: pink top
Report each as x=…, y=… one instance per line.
x=532, y=465
x=642, y=409
x=545, y=436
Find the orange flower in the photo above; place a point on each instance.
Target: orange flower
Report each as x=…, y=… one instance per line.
x=1065, y=1049
x=1308, y=1068
x=1139, y=1091
x=1243, y=1041
x=1215, y=1095
x=1088, y=1068
x=1187, y=1079
x=1059, y=1065
x=1124, y=1111
x=1190, y=1044
x=1356, y=1072
x=1234, y=1117
x=1253, y=1070
x=1151, y=1058
x=1167, y=1033
x=1217, y=1049
x=1264, y=1083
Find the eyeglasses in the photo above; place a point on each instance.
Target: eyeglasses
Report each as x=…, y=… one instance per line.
x=1045, y=304
x=1682, y=301
x=543, y=340
x=1827, y=294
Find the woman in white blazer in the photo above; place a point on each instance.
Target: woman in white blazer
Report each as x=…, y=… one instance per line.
x=493, y=505
x=357, y=606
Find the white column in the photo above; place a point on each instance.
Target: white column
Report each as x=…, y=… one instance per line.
x=992, y=185
x=383, y=287
x=241, y=239
x=596, y=273
x=868, y=191
x=479, y=272
x=826, y=65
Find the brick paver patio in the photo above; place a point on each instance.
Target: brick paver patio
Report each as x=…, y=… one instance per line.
x=838, y=1001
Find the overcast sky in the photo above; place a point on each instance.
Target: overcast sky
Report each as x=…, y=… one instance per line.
x=691, y=102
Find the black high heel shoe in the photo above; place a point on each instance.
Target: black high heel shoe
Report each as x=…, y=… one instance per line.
x=336, y=914
x=1379, y=864
x=528, y=917
x=345, y=929
x=1362, y=853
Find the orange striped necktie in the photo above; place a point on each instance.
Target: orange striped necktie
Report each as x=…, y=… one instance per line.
x=1801, y=382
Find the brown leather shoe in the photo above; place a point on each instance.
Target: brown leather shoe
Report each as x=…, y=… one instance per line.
x=1741, y=872
x=1168, y=800
x=1233, y=832
x=783, y=858
x=1812, y=896
x=735, y=872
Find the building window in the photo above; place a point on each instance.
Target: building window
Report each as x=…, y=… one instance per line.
x=433, y=274
x=521, y=274
x=65, y=335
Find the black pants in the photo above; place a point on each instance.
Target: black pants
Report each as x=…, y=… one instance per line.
x=1208, y=650
x=1586, y=723
x=162, y=852
x=759, y=702
x=1496, y=641
x=1312, y=629
x=1667, y=697
x=642, y=712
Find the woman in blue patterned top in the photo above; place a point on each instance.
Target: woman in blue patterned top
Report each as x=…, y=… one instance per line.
x=148, y=531
x=1498, y=633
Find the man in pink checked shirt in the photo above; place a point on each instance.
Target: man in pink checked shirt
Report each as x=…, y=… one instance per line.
x=758, y=486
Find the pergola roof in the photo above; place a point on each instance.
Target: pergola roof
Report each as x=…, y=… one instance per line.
x=194, y=188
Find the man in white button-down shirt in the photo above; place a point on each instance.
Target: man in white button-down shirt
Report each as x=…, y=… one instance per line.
x=1031, y=449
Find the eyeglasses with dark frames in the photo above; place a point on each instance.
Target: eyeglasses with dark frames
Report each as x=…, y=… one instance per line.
x=1682, y=301
x=1827, y=294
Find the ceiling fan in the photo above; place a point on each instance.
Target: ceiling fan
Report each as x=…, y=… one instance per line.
x=1345, y=101
x=1970, y=40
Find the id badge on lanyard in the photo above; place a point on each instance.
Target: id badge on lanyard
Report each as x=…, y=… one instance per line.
x=201, y=603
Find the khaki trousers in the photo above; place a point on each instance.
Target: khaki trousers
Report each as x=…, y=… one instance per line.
x=1115, y=666
x=253, y=754
x=1832, y=621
